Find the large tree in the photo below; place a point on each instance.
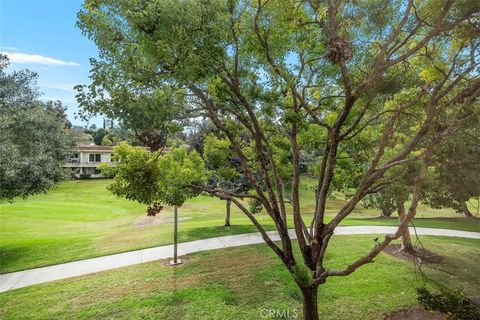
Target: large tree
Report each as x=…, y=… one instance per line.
x=455, y=177
x=262, y=71
x=34, y=142
x=151, y=111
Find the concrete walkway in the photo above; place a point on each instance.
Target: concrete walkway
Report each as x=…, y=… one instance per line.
x=20, y=279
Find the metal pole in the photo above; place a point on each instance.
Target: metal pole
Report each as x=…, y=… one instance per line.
x=175, y=233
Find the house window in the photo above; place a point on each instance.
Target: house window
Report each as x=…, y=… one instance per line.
x=73, y=158
x=94, y=157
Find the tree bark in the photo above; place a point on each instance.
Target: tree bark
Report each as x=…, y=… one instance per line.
x=406, y=240
x=310, y=309
x=386, y=212
x=175, y=233
x=466, y=211
x=227, y=213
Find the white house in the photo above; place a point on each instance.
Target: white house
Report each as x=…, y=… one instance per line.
x=85, y=159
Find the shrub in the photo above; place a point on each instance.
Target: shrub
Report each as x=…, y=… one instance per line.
x=452, y=303
x=107, y=170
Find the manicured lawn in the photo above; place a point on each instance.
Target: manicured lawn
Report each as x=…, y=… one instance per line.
x=81, y=219
x=243, y=282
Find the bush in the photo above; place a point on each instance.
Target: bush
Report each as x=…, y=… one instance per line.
x=85, y=176
x=107, y=170
x=452, y=303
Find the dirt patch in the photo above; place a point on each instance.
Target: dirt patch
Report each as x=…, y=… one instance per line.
x=476, y=300
x=417, y=313
x=421, y=255
x=159, y=219
x=184, y=259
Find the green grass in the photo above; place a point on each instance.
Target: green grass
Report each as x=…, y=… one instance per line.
x=239, y=283
x=81, y=219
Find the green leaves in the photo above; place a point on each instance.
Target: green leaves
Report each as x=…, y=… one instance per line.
x=151, y=178
x=216, y=152
x=34, y=141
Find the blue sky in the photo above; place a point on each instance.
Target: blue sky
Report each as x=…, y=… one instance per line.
x=41, y=35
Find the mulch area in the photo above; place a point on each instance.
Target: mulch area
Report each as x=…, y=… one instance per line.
x=184, y=259
x=420, y=256
x=417, y=313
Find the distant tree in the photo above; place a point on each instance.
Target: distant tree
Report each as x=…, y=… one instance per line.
x=34, y=142
x=80, y=135
x=98, y=135
x=393, y=196
x=224, y=166
x=456, y=171
x=199, y=132
x=106, y=140
x=58, y=110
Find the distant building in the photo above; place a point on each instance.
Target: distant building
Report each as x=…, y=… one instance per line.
x=85, y=159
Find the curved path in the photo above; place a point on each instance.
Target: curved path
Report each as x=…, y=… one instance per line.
x=20, y=279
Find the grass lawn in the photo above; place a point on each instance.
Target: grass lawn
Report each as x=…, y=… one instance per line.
x=239, y=283
x=81, y=219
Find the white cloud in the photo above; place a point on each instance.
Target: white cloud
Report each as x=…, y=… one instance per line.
x=63, y=87
x=9, y=48
x=25, y=58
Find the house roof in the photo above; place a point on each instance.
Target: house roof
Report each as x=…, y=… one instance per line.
x=95, y=148
x=84, y=147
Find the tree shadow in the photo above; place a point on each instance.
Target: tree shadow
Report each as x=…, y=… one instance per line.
x=196, y=233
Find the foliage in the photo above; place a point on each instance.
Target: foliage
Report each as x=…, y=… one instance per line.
x=456, y=175
x=34, y=141
x=255, y=206
x=107, y=170
x=453, y=303
x=200, y=131
x=80, y=136
x=56, y=108
x=151, y=178
x=397, y=192
x=264, y=71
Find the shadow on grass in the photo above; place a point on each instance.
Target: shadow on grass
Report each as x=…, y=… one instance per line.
x=460, y=223
x=189, y=234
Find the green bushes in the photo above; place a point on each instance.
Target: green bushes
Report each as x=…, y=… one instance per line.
x=452, y=303
x=107, y=170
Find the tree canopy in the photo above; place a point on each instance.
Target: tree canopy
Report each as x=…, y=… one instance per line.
x=34, y=140
x=400, y=75
x=152, y=179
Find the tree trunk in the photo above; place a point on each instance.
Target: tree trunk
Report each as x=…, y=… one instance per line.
x=175, y=233
x=386, y=212
x=406, y=240
x=310, y=309
x=466, y=211
x=227, y=214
